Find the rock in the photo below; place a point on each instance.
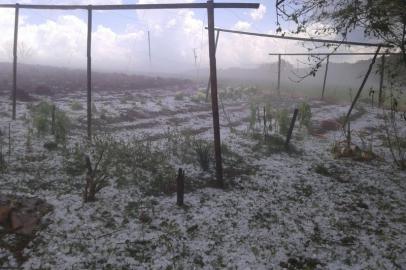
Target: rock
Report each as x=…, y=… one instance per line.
x=4, y=214
x=23, y=223
x=50, y=146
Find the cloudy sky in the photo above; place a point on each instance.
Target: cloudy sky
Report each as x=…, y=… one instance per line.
x=120, y=38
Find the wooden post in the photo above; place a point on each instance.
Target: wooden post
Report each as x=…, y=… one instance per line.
x=382, y=71
x=149, y=48
x=292, y=125
x=180, y=187
x=214, y=97
x=361, y=87
x=325, y=77
x=208, y=83
x=89, y=72
x=14, y=95
x=279, y=74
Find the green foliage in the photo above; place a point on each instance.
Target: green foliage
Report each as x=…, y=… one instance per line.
x=283, y=121
x=179, y=95
x=76, y=106
x=203, y=152
x=305, y=115
x=200, y=96
x=42, y=121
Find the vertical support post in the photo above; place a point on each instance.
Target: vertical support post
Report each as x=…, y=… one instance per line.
x=214, y=97
x=149, y=48
x=382, y=71
x=292, y=125
x=325, y=77
x=180, y=187
x=208, y=83
x=89, y=72
x=279, y=75
x=14, y=95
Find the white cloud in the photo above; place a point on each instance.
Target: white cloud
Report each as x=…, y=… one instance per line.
x=242, y=26
x=258, y=14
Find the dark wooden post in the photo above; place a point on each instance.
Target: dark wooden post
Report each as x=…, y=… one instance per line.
x=149, y=48
x=279, y=74
x=292, y=125
x=214, y=97
x=208, y=83
x=325, y=77
x=14, y=95
x=382, y=71
x=89, y=72
x=362, y=86
x=180, y=187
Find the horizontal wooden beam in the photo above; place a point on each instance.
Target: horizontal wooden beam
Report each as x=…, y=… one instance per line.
x=317, y=40
x=132, y=6
x=331, y=54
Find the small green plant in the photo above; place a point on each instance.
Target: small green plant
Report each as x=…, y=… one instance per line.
x=283, y=121
x=76, y=106
x=179, y=96
x=305, y=115
x=203, y=150
x=200, y=96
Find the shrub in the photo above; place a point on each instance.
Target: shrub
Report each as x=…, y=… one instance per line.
x=179, y=96
x=283, y=121
x=76, y=106
x=305, y=115
x=203, y=150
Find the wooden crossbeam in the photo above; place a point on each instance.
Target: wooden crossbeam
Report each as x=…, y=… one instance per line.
x=316, y=40
x=132, y=6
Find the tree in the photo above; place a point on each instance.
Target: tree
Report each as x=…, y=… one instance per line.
x=378, y=19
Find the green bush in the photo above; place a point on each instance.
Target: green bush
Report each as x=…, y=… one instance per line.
x=203, y=150
x=283, y=121
x=305, y=115
x=76, y=106
x=179, y=96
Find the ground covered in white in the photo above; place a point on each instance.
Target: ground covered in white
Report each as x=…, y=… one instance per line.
x=296, y=209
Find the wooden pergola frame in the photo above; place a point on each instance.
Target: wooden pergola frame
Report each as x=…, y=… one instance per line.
x=209, y=6
x=381, y=71
x=325, y=41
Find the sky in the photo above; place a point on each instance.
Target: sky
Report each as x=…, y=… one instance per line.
x=120, y=38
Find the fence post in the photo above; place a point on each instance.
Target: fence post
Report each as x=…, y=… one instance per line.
x=279, y=74
x=325, y=77
x=89, y=72
x=180, y=187
x=292, y=125
x=382, y=71
x=14, y=95
x=208, y=83
x=214, y=97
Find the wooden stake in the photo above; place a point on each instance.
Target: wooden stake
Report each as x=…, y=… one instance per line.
x=180, y=187
x=214, y=97
x=89, y=73
x=208, y=83
x=279, y=75
x=382, y=71
x=14, y=95
x=362, y=86
x=149, y=48
x=292, y=125
x=325, y=77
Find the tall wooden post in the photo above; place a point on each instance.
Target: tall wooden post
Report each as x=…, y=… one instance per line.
x=382, y=71
x=214, y=97
x=149, y=48
x=89, y=72
x=325, y=77
x=208, y=83
x=14, y=95
x=279, y=74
